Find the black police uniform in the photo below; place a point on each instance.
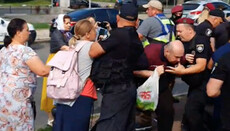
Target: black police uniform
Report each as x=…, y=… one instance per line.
x=221, y=34
x=221, y=72
x=113, y=73
x=205, y=29
x=196, y=99
x=154, y=55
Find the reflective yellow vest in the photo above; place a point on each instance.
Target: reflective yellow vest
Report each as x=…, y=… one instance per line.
x=167, y=32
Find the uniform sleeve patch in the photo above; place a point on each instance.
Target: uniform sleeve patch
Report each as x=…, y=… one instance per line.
x=208, y=32
x=199, y=48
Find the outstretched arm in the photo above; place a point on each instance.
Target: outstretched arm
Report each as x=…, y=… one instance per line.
x=96, y=50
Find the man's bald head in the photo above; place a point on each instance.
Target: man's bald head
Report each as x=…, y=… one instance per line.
x=173, y=51
x=176, y=46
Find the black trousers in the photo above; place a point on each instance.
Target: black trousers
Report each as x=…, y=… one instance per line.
x=117, y=108
x=195, y=109
x=164, y=112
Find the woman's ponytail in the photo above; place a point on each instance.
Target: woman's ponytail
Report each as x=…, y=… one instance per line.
x=7, y=40
x=73, y=40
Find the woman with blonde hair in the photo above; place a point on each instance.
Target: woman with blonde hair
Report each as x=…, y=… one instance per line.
x=205, y=13
x=74, y=115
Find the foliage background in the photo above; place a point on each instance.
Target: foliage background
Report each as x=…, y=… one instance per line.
x=25, y=2
x=16, y=1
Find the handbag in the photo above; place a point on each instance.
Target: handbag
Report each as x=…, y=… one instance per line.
x=148, y=93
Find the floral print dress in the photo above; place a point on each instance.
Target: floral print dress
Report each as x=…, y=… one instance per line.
x=17, y=84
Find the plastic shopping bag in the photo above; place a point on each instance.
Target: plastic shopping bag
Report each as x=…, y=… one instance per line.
x=147, y=93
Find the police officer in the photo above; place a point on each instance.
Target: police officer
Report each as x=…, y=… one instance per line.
x=218, y=85
x=194, y=72
x=221, y=34
x=112, y=71
x=177, y=12
x=215, y=17
x=214, y=62
x=156, y=55
x=206, y=28
x=157, y=27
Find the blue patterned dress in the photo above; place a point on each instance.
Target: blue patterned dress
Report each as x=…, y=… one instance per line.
x=17, y=84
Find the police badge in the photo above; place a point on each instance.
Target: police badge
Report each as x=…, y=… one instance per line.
x=208, y=32
x=200, y=48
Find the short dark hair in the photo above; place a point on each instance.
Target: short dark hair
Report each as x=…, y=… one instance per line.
x=14, y=26
x=66, y=17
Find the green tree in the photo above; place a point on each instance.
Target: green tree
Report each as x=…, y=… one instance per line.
x=17, y=1
x=13, y=1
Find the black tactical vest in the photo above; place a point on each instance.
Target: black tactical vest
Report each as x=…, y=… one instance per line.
x=108, y=71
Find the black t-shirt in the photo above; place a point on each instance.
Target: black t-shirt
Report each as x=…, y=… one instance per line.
x=221, y=34
x=204, y=29
x=123, y=48
x=222, y=72
x=123, y=43
x=200, y=47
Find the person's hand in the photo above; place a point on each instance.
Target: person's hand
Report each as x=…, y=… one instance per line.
x=228, y=18
x=160, y=69
x=96, y=24
x=137, y=23
x=100, y=37
x=108, y=26
x=178, y=70
x=189, y=58
x=65, y=47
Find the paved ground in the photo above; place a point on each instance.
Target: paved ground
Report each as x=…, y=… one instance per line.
x=42, y=35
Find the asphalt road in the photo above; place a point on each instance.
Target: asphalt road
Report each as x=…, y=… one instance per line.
x=42, y=49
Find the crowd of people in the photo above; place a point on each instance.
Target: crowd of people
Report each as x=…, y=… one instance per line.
x=117, y=63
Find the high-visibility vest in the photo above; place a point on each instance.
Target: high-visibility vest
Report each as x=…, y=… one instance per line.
x=167, y=34
x=145, y=43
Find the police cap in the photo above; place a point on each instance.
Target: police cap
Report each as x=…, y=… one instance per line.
x=177, y=8
x=129, y=11
x=217, y=13
x=185, y=21
x=210, y=6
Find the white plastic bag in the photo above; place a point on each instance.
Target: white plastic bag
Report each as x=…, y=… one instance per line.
x=148, y=93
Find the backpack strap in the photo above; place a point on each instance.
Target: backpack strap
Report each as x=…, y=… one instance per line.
x=78, y=47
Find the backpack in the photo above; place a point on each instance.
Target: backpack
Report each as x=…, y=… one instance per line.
x=64, y=82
